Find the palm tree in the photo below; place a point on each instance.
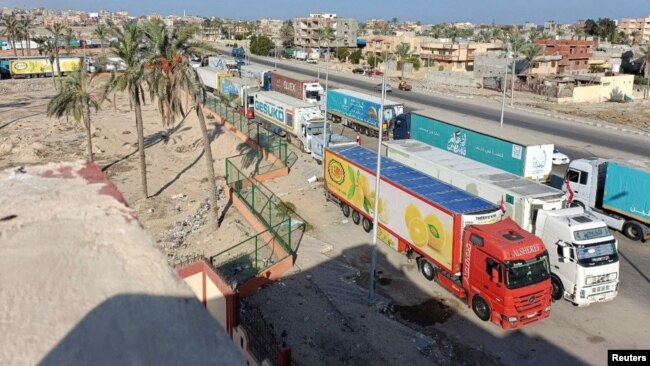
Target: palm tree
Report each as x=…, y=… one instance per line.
x=402, y=50
x=68, y=37
x=46, y=46
x=287, y=34
x=530, y=52
x=127, y=47
x=102, y=32
x=26, y=33
x=76, y=97
x=11, y=30
x=168, y=55
x=645, y=52
x=57, y=33
x=327, y=34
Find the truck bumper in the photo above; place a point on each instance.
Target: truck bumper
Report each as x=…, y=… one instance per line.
x=519, y=321
x=588, y=295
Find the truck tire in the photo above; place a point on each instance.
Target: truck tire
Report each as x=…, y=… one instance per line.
x=577, y=204
x=481, y=308
x=367, y=224
x=633, y=230
x=557, y=290
x=302, y=147
x=345, y=209
x=356, y=217
x=427, y=269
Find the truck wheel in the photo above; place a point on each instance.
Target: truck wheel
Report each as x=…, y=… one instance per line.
x=370, y=132
x=356, y=217
x=346, y=210
x=427, y=270
x=557, y=290
x=367, y=224
x=481, y=308
x=302, y=147
x=633, y=230
x=577, y=204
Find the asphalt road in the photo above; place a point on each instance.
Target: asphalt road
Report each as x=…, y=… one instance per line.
x=584, y=134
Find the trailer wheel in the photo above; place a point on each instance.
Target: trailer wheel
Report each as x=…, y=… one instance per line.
x=367, y=224
x=633, y=230
x=427, y=270
x=370, y=132
x=356, y=217
x=345, y=209
x=557, y=290
x=481, y=308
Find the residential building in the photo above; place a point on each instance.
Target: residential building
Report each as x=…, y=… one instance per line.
x=575, y=54
x=345, y=31
x=375, y=23
x=378, y=44
x=637, y=29
x=270, y=28
x=454, y=56
x=544, y=65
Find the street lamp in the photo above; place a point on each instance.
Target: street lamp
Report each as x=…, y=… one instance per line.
x=514, y=66
x=325, y=142
x=503, y=85
x=375, y=219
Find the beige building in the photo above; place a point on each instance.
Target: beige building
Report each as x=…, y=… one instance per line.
x=450, y=56
x=639, y=28
x=378, y=44
x=345, y=30
x=595, y=88
x=545, y=65
x=270, y=28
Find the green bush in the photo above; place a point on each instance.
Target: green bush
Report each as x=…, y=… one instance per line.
x=355, y=57
x=261, y=45
x=640, y=80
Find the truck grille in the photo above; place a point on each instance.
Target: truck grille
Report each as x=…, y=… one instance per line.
x=530, y=301
x=601, y=279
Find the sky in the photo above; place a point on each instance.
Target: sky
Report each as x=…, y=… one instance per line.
x=426, y=11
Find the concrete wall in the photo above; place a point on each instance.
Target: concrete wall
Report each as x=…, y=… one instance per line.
x=216, y=302
x=611, y=88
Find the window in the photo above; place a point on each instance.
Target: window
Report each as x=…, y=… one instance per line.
x=573, y=176
x=584, y=176
x=476, y=240
x=492, y=265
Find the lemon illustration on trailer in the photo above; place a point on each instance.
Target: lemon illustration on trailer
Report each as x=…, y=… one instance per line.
x=418, y=231
x=436, y=235
x=411, y=212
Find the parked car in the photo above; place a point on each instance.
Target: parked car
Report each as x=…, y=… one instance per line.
x=388, y=88
x=312, y=61
x=358, y=70
x=560, y=158
x=403, y=85
x=375, y=72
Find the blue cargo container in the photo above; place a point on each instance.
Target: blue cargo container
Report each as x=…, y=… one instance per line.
x=359, y=110
x=627, y=190
x=261, y=74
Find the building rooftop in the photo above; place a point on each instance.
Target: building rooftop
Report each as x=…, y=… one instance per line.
x=82, y=283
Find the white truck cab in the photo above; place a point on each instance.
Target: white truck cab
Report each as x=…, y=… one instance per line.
x=583, y=255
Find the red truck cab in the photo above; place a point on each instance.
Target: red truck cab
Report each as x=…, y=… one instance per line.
x=506, y=274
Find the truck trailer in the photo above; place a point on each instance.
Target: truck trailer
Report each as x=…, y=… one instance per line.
x=224, y=63
x=211, y=78
x=297, y=85
x=360, y=111
x=500, y=270
x=241, y=93
x=261, y=74
x=31, y=67
x=616, y=192
x=295, y=119
x=535, y=207
x=526, y=156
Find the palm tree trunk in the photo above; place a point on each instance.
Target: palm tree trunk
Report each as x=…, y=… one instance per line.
x=13, y=42
x=101, y=44
x=140, y=130
x=209, y=164
x=89, y=136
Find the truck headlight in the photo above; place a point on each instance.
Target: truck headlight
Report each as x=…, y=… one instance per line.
x=512, y=319
x=612, y=276
x=590, y=281
x=548, y=308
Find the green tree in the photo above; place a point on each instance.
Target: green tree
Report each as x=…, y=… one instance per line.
x=56, y=30
x=26, y=33
x=341, y=53
x=11, y=31
x=355, y=57
x=607, y=29
x=77, y=97
x=128, y=48
x=261, y=45
x=102, y=32
x=325, y=34
x=530, y=52
x=415, y=62
x=46, y=46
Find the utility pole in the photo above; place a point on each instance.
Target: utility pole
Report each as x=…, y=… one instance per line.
x=375, y=219
x=503, y=85
x=514, y=66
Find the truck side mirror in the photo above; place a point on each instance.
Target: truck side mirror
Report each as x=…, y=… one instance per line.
x=566, y=252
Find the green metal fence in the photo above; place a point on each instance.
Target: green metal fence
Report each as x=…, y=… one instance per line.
x=270, y=141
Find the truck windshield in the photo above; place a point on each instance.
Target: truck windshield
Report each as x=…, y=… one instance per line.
x=597, y=254
x=525, y=273
x=312, y=94
x=318, y=129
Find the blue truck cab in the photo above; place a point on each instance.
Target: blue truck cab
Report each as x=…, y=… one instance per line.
x=401, y=126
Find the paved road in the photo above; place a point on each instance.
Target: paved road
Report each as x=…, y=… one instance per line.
x=624, y=142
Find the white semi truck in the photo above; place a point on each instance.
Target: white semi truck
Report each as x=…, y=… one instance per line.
x=293, y=118
x=584, y=260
